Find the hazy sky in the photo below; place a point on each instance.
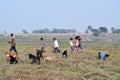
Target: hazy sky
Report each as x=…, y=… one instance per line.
x=16, y=15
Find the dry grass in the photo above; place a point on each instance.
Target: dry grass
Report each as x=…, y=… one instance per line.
x=82, y=66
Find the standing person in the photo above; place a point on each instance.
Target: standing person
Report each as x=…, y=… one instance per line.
x=80, y=44
x=42, y=45
x=77, y=43
x=56, y=45
x=71, y=44
x=13, y=43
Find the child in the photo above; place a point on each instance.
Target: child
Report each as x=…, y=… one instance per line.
x=56, y=46
x=42, y=41
x=102, y=55
x=76, y=43
x=71, y=44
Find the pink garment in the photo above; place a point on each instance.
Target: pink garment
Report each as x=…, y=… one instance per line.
x=77, y=43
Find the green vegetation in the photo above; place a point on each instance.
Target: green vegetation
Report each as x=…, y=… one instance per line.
x=82, y=66
x=97, y=32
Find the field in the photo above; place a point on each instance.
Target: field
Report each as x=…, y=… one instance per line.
x=78, y=66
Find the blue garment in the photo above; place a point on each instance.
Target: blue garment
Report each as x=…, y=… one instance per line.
x=13, y=48
x=72, y=48
x=102, y=55
x=80, y=46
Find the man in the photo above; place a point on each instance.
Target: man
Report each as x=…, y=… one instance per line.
x=13, y=43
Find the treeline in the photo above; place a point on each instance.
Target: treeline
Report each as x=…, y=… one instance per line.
x=97, y=32
x=90, y=29
x=45, y=30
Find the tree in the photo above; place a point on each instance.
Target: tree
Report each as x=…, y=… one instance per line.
x=90, y=27
x=103, y=29
x=112, y=29
x=96, y=32
x=115, y=31
x=5, y=32
x=24, y=31
x=54, y=31
x=35, y=31
x=46, y=30
x=86, y=31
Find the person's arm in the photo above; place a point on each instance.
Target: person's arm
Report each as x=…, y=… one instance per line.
x=10, y=41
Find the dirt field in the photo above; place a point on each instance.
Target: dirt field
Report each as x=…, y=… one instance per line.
x=78, y=66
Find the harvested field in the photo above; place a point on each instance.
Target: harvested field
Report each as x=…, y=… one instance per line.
x=82, y=66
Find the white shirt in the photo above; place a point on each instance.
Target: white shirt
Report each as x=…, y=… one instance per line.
x=56, y=43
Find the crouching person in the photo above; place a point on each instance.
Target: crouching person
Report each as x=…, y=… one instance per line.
x=102, y=55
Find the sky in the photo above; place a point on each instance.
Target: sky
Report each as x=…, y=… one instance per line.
x=16, y=15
